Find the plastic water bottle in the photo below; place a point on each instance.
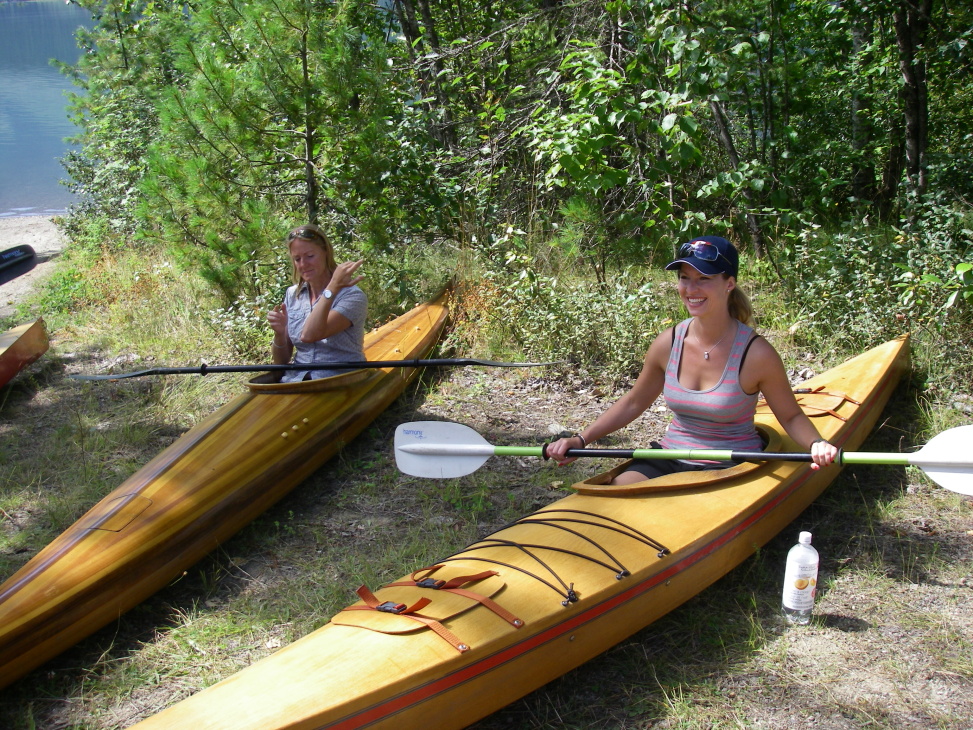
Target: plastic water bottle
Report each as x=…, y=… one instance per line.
x=800, y=581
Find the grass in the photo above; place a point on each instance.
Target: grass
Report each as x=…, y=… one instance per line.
x=889, y=646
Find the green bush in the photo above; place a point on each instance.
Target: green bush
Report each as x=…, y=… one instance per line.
x=603, y=330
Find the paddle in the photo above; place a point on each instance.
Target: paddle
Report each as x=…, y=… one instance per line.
x=205, y=369
x=443, y=450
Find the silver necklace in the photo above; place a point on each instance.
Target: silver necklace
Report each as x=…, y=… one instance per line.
x=705, y=351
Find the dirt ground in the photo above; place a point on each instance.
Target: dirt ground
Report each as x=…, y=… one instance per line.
x=45, y=238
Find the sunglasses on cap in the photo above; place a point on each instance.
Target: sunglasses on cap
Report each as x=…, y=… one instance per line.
x=307, y=233
x=702, y=250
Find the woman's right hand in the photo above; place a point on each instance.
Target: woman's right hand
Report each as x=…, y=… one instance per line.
x=558, y=449
x=344, y=277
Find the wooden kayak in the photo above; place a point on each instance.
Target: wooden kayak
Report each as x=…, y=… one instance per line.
x=20, y=347
x=449, y=644
x=208, y=484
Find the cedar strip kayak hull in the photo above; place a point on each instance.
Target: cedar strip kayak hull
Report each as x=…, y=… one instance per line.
x=20, y=347
x=627, y=559
x=212, y=481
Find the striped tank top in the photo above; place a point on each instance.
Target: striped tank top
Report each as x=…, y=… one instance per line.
x=718, y=418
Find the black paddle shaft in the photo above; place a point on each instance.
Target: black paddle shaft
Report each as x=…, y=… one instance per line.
x=737, y=456
x=205, y=369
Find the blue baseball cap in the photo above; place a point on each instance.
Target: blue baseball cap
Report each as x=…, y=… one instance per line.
x=709, y=255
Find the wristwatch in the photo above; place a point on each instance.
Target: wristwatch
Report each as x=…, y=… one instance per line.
x=327, y=294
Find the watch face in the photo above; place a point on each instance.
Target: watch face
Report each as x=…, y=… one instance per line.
x=327, y=294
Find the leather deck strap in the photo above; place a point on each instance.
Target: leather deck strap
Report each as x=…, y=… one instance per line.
x=454, y=586
x=372, y=604
x=821, y=391
x=829, y=411
x=371, y=600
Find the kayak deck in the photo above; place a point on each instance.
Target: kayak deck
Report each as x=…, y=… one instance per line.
x=216, y=478
x=526, y=604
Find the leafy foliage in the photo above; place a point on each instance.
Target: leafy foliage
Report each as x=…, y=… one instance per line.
x=865, y=286
x=124, y=66
x=276, y=115
x=541, y=136
x=934, y=289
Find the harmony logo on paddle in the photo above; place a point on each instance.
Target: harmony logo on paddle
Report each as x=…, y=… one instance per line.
x=414, y=432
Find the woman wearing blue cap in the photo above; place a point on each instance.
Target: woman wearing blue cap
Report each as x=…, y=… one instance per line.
x=710, y=368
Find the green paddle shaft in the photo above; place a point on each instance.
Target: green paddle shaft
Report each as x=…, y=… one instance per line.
x=844, y=457
x=443, y=450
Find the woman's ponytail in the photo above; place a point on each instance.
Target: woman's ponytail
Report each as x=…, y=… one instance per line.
x=740, y=307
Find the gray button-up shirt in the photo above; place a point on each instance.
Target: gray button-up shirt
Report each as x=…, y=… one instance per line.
x=347, y=345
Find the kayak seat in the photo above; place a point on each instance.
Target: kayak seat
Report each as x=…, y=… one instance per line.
x=268, y=383
x=600, y=485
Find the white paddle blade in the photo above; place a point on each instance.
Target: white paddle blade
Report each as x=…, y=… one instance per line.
x=946, y=459
x=954, y=478
x=439, y=449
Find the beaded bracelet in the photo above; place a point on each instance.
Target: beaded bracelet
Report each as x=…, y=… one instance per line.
x=584, y=444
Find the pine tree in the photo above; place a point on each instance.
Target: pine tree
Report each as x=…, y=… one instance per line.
x=270, y=129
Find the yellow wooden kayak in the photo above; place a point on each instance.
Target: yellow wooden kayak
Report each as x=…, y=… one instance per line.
x=448, y=645
x=208, y=484
x=20, y=347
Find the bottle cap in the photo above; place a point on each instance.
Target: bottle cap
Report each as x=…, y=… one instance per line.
x=805, y=538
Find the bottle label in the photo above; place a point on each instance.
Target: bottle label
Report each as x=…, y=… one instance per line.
x=800, y=585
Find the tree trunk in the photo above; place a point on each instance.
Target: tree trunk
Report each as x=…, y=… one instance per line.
x=406, y=14
x=429, y=79
x=310, y=174
x=726, y=139
x=911, y=29
x=431, y=33
x=891, y=174
x=863, y=183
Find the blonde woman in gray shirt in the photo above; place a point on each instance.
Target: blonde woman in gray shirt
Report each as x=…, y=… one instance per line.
x=323, y=314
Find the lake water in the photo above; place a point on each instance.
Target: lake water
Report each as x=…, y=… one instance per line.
x=33, y=107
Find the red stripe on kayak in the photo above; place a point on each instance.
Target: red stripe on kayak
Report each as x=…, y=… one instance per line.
x=425, y=692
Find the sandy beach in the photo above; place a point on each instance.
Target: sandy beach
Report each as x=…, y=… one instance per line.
x=43, y=236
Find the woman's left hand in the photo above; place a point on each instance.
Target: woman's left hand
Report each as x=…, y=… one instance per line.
x=277, y=317
x=823, y=453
